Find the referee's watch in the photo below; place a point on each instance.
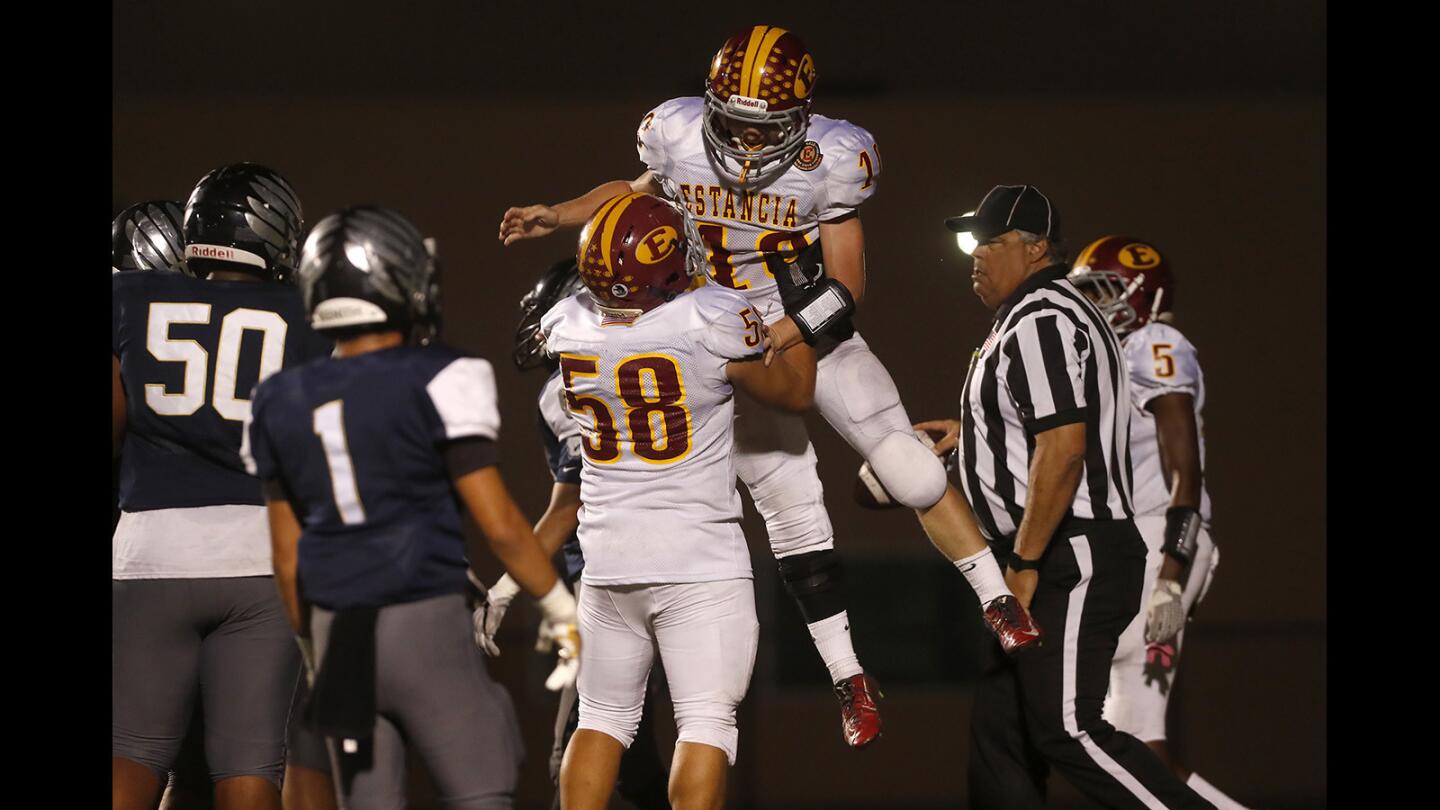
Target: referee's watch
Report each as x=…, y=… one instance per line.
x=1021, y=564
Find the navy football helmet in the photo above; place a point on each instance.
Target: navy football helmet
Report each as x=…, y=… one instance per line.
x=146, y=236
x=367, y=269
x=243, y=217
x=559, y=282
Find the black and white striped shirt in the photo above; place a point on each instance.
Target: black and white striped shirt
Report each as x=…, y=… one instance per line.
x=1051, y=359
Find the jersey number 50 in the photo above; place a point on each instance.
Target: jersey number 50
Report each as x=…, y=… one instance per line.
x=646, y=413
x=223, y=394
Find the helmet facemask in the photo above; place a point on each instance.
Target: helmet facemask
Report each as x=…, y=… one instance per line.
x=1112, y=293
x=750, y=166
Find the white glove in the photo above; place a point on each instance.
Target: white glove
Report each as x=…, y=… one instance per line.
x=558, y=627
x=487, y=616
x=1165, y=615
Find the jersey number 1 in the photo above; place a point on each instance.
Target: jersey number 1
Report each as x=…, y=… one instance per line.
x=329, y=425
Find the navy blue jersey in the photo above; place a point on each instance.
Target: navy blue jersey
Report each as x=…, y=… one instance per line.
x=191, y=352
x=560, y=436
x=358, y=444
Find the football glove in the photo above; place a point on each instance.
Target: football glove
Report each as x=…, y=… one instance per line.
x=559, y=628
x=1165, y=615
x=489, y=613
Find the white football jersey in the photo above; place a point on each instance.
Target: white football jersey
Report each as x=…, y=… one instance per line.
x=752, y=234
x=1161, y=362
x=656, y=414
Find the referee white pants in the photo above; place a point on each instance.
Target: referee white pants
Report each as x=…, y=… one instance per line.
x=706, y=634
x=1144, y=673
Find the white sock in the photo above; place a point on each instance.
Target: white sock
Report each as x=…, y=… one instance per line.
x=1212, y=793
x=832, y=640
x=984, y=575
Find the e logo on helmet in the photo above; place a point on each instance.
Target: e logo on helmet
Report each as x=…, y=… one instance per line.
x=805, y=77
x=1139, y=256
x=657, y=245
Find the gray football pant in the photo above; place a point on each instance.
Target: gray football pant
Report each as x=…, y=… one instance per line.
x=433, y=693
x=225, y=639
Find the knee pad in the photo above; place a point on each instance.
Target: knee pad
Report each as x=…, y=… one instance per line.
x=912, y=474
x=619, y=722
x=813, y=579
x=709, y=723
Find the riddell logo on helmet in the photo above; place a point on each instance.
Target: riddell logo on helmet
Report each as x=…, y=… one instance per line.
x=748, y=104
x=224, y=254
x=209, y=252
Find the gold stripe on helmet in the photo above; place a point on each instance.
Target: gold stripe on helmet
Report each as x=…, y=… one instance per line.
x=763, y=58
x=752, y=46
x=1084, y=258
x=613, y=219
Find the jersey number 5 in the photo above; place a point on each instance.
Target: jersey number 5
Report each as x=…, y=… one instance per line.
x=652, y=390
x=1164, y=363
x=224, y=396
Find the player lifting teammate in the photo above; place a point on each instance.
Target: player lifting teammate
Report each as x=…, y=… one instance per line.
x=774, y=191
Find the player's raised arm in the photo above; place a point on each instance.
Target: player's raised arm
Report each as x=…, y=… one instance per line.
x=530, y=221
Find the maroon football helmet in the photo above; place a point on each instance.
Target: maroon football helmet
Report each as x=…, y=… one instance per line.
x=763, y=77
x=1128, y=279
x=637, y=252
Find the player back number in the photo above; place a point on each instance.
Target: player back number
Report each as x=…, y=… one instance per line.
x=223, y=394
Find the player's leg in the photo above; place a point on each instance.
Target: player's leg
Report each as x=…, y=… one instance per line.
x=189, y=787
x=707, y=634
x=155, y=664
x=616, y=653
x=371, y=775
x=1138, y=694
x=308, y=784
x=1202, y=575
x=774, y=459
x=249, y=668
x=431, y=680
x=644, y=775
x=857, y=396
x=1089, y=591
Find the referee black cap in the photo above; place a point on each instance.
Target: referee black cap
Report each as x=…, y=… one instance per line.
x=1010, y=208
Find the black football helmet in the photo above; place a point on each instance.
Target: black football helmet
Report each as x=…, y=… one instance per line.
x=146, y=236
x=561, y=281
x=367, y=269
x=243, y=217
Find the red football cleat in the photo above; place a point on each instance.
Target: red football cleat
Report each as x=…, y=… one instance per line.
x=860, y=717
x=1012, y=624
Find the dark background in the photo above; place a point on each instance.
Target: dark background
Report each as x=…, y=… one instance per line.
x=1199, y=128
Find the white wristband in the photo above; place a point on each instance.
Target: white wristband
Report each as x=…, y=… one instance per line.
x=557, y=605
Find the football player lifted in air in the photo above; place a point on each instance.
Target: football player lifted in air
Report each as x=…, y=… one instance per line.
x=643, y=773
x=649, y=373
x=774, y=192
x=365, y=457
x=1131, y=282
x=196, y=617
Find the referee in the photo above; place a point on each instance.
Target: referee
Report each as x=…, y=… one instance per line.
x=1045, y=463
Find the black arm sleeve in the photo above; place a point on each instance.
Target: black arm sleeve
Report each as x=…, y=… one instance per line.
x=468, y=454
